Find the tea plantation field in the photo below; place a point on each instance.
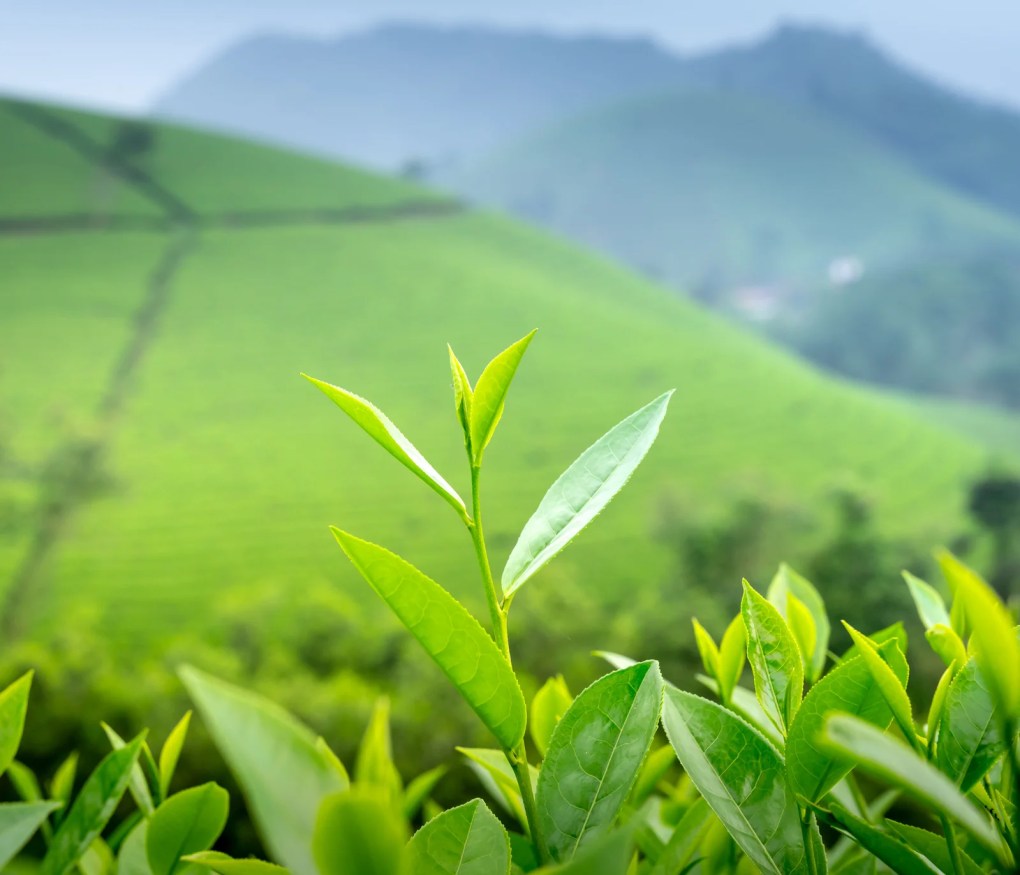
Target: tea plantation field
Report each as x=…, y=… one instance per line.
x=157, y=443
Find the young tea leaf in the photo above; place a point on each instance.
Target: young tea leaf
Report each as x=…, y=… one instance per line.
x=774, y=657
x=594, y=757
x=547, y=707
x=137, y=786
x=18, y=823
x=582, y=491
x=969, y=733
x=947, y=644
x=92, y=809
x=13, y=708
x=929, y=603
x=274, y=758
x=359, y=833
x=186, y=823
x=490, y=396
x=896, y=854
x=62, y=785
x=802, y=625
x=684, y=841
x=450, y=635
x=462, y=395
x=708, y=651
x=221, y=864
x=741, y=777
x=789, y=581
x=498, y=779
x=374, y=765
x=171, y=752
x=419, y=790
x=376, y=424
x=888, y=684
x=467, y=840
x=890, y=760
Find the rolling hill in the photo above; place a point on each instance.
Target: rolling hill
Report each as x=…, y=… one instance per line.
x=718, y=191
x=156, y=443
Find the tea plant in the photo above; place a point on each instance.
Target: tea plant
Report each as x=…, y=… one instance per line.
x=769, y=776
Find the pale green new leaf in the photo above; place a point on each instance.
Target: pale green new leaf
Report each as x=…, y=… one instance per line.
x=685, y=840
x=745, y=703
x=329, y=755
x=498, y=779
x=708, y=651
x=938, y=701
x=18, y=823
x=888, y=759
x=186, y=823
x=969, y=733
x=595, y=755
x=374, y=764
x=888, y=684
x=376, y=424
x=171, y=752
x=947, y=644
x=92, y=809
x=993, y=633
x=741, y=776
x=850, y=687
x=582, y=491
x=788, y=580
x=732, y=656
x=775, y=658
x=451, y=636
x=929, y=603
x=274, y=758
x=132, y=858
x=13, y=708
x=419, y=790
x=359, y=833
x=549, y=704
x=490, y=396
x=467, y=840
x=62, y=785
x=224, y=865
x=802, y=625
x=896, y=854
x=462, y=394
x=137, y=786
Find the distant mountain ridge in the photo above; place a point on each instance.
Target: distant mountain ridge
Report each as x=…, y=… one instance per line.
x=409, y=93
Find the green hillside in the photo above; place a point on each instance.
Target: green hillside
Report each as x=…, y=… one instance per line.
x=713, y=190
x=156, y=443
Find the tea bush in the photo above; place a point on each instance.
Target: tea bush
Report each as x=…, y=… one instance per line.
x=768, y=778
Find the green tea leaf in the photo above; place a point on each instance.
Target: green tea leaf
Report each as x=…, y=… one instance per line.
x=547, y=707
x=685, y=840
x=774, y=657
x=376, y=424
x=451, y=636
x=608, y=855
x=132, y=858
x=358, y=833
x=997, y=647
x=274, y=758
x=655, y=767
x=788, y=580
x=938, y=701
x=62, y=785
x=732, y=656
x=13, y=708
x=851, y=688
x=18, y=823
x=467, y=840
x=462, y=396
x=594, y=757
x=374, y=764
x=741, y=776
x=947, y=644
x=745, y=703
x=171, y=752
x=582, y=491
x=490, y=396
x=224, y=865
x=802, y=625
x=889, y=849
x=708, y=651
x=187, y=822
x=888, y=684
x=137, y=786
x=969, y=734
x=930, y=606
x=92, y=809
x=886, y=758
x=933, y=847
x=334, y=761
x=494, y=772
x=420, y=789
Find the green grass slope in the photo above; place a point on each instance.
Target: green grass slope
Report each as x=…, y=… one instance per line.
x=176, y=356
x=713, y=189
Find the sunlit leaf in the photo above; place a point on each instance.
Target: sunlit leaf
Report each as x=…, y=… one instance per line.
x=274, y=758
x=92, y=809
x=741, y=776
x=887, y=758
x=171, y=752
x=462, y=394
x=745, y=703
x=376, y=424
x=358, y=833
x=594, y=757
x=802, y=625
x=490, y=395
x=888, y=684
x=582, y=491
x=947, y=644
x=929, y=603
x=969, y=733
x=684, y=841
x=374, y=764
x=186, y=823
x=708, y=651
x=774, y=657
x=467, y=840
x=137, y=786
x=732, y=656
x=13, y=708
x=788, y=580
x=549, y=704
x=18, y=823
x=494, y=772
x=449, y=634
x=224, y=865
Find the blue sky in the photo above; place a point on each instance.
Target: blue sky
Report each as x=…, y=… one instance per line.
x=122, y=53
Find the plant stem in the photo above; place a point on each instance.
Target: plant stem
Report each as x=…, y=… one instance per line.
x=496, y=613
x=519, y=763
x=954, y=850
x=809, y=846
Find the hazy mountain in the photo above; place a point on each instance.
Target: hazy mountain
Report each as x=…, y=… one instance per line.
x=406, y=92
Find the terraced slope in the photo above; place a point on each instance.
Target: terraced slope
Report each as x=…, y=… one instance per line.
x=159, y=444
x=712, y=190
